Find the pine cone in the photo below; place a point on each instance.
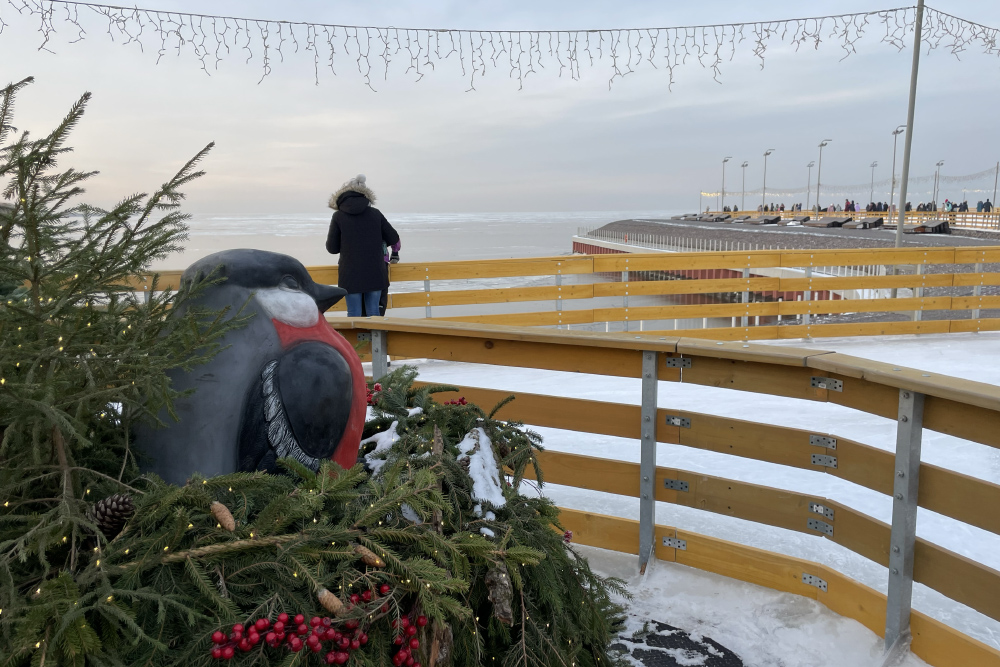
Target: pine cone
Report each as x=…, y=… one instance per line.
x=223, y=515
x=330, y=602
x=368, y=556
x=112, y=513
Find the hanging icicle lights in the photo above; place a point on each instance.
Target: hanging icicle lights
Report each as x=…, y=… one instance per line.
x=373, y=50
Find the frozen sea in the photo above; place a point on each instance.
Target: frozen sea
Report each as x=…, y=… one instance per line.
x=426, y=237
x=763, y=626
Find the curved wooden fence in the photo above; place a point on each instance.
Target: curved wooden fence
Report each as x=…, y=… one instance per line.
x=753, y=295
x=915, y=399
x=973, y=219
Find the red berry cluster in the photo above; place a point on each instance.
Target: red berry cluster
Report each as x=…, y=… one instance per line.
x=457, y=401
x=407, y=641
x=373, y=393
x=568, y=536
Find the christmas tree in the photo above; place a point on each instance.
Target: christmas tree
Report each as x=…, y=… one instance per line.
x=425, y=553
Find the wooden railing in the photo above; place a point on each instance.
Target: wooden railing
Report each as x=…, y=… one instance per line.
x=916, y=400
x=761, y=294
x=973, y=218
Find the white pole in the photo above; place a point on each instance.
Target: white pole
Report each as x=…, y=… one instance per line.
x=917, y=28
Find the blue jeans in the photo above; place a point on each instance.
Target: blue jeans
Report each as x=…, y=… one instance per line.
x=370, y=300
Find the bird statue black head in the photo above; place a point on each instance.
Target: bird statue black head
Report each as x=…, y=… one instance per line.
x=286, y=385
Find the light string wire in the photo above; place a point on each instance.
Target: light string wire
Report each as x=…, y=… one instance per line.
x=373, y=50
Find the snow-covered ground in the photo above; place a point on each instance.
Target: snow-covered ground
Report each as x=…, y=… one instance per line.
x=763, y=626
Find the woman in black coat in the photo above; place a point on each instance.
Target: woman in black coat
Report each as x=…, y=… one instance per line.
x=357, y=233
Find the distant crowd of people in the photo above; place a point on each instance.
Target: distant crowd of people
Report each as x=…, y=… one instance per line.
x=873, y=207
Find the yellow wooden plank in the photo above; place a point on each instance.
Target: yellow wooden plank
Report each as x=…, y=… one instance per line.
x=972, y=422
x=991, y=324
x=722, y=333
x=817, y=283
x=781, y=355
x=957, y=577
x=761, y=378
x=572, y=414
x=943, y=646
x=863, y=305
x=458, y=330
x=527, y=319
x=324, y=275
x=862, y=329
x=968, y=255
x=962, y=497
x=744, y=563
x=713, y=286
x=601, y=531
x=969, y=279
x=684, y=261
x=867, y=256
x=588, y=472
x=500, y=295
x=490, y=268
x=165, y=280
x=498, y=352
x=968, y=302
x=862, y=534
x=683, y=312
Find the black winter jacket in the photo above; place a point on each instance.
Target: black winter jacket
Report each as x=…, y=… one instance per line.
x=357, y=233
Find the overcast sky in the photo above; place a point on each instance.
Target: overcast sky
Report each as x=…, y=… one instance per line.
x=557, y=145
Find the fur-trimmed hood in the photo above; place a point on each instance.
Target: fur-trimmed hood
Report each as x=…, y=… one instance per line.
x=356, y=184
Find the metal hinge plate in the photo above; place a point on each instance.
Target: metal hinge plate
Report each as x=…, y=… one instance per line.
x=683, y=422
x=821, y=509
x=675, y=484
x=827, y=383
x=813, y=580
x=824, y=460
x=675, y=543
x=823, y=441
x=364, y=337
x=821, y=526
x=677, y=362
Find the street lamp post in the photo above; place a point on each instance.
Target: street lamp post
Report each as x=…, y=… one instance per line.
x=722, y=203
x=763, y=189
x=819, y=169
x=937, y=180
x=892, y=191
x=809, y=179
x=871, y=195
x=743, y=195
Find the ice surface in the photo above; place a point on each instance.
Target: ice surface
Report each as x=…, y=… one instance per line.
x=766, y=628
x=970, y=356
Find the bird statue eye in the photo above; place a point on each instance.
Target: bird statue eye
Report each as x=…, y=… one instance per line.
x=290, y=283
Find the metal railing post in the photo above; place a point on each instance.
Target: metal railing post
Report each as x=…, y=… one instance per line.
x=977, y=289
x=807, y=295
x=647, y=459
x=559, y=303
x=427, y=293
x=746, y=296
x=380, y=358
x=909, y=429
x=625, y=298
x=919, y=293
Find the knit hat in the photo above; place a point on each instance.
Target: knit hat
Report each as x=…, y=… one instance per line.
x=356, y=184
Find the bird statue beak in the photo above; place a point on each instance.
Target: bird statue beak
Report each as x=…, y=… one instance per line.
x=327, y=295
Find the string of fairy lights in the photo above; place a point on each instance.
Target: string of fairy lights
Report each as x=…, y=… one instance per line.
x=523, y=54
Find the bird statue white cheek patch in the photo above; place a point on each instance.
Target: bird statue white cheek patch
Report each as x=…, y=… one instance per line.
x=285, y=385
x=292, y=307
